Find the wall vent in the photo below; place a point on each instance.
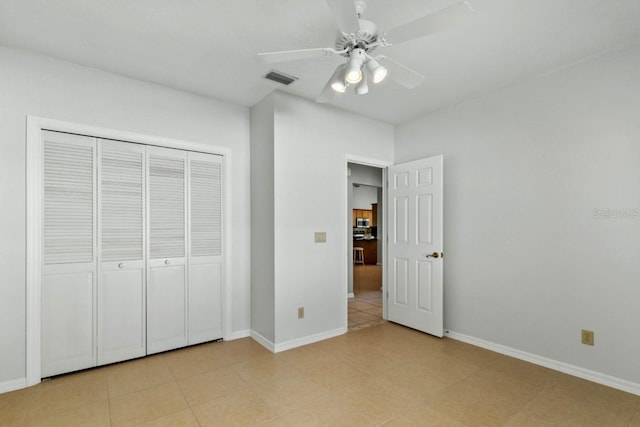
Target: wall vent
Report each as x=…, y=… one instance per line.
x=279, y=77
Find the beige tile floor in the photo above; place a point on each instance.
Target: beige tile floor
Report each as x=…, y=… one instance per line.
x=365, y=309
x=381, y=375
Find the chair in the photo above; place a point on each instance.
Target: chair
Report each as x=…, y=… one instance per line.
x=358, y=255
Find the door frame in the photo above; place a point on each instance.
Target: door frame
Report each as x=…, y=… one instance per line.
x=346, y=238
x=34, y=192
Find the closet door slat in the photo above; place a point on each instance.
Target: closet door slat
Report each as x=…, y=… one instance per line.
x=68, y=203
x=166, y=207
x=122, y=204
x=206, y=208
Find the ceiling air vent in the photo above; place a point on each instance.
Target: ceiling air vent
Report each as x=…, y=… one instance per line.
x=279, y=77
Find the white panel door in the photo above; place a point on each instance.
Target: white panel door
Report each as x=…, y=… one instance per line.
x=69, y=253
x=121, y=284
x=167, y=249
x=415, y=289
x=205, y=247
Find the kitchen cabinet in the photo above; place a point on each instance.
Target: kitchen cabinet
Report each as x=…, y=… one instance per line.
x=362, y=213
x=374, y=215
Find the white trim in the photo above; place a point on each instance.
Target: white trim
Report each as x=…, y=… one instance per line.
x=385, y=240
x=368, y=161
x=310, y=339
x=298, y=342
x=12, y=385
x=34, y=219
x=33, y=250
x=245, y=333
x=226, y=245
x=260, y=339
x=126, y=136
x=576, y=371
x=351, y=295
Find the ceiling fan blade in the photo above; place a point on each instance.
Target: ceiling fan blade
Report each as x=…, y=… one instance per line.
x=401, y=74
x=294, y=55
x=344, y=12
x=328, y=94
x=441, y=20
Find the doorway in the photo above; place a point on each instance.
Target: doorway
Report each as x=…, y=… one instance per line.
x=366, y=213
x=411, y=243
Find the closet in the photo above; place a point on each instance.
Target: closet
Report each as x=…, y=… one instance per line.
x=132, y=250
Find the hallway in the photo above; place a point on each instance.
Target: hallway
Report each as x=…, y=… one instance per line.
x=365, y=309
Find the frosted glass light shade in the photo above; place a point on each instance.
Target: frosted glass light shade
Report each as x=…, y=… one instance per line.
x=377, y=71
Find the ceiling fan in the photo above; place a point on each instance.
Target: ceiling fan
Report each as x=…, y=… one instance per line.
x=358, y=38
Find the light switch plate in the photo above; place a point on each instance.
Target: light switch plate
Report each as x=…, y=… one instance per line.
x=320, y=237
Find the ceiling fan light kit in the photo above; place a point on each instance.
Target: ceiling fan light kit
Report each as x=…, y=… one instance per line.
x=358, y=38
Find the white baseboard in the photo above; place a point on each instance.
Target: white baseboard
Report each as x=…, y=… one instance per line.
x=576, y=371
x=298, y=342
x=239, y=334
x=263, y=341
x=12, y=385
x=351, y=295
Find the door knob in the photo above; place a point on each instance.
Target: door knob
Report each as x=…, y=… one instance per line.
x=167, y=262
x=434, y=255
x=121, y=265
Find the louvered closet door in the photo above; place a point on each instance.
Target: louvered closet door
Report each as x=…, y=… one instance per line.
x=69, y=254
x=167, y=270
x=205, y=243
x=121, y=284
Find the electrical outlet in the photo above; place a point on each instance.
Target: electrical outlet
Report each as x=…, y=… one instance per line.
x=587, y=337
x=300, y=312
x=320, y=237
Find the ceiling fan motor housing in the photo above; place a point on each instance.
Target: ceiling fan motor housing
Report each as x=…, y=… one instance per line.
x=362, y=39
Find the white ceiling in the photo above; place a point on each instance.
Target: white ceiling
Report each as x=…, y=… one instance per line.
x=209, y=47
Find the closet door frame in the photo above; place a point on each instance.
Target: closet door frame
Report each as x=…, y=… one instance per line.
x=34, y=220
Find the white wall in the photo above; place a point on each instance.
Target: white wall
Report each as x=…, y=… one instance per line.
x=528, y=264
x=40, y=86
x=364, y=196
x=262, y=220
x=311, y=195
x=367, y=175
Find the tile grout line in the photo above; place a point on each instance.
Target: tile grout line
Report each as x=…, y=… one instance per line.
x=106, y=380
